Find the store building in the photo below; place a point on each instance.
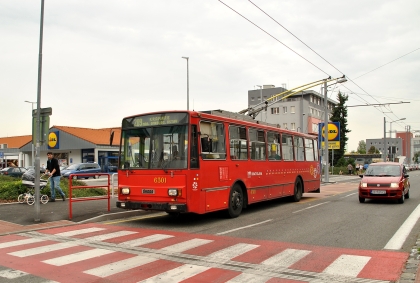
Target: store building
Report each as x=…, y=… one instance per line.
x=70, y=145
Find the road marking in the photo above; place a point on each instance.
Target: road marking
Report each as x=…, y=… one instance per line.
x=109, y=236
x=136, y=218
x=12, y=274
x=286, y=258
x=79, y=232
x=244, y=227
x=120, y=266
x=44, y=249
x=246, y=277
x=402, y=233
x=72, y=258
x=177, y=274
x=347, y=265
x=187, y=245
x=350, y=195
x=145, y=240
x=232, y=251
x=20, y=242
x=310, y=207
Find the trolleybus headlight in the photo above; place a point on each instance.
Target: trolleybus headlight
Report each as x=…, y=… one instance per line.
x=173, y=192
x=125, y=191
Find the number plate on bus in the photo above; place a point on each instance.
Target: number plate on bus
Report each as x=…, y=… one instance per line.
x=378, y=192
x=148, y=191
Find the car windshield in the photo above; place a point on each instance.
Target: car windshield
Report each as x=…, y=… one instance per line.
x=383, y=170
x=72, y=167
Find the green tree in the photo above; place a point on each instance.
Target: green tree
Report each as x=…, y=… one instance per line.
x=373, y=150
x=362, y=147
x=339, y=114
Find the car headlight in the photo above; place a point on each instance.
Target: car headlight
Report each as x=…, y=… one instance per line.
x=125, y=191
x=173, y=192
x=395, y=185
x=363, y=185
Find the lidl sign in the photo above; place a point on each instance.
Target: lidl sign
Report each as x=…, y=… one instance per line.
x=53, y=142
x=333, y=135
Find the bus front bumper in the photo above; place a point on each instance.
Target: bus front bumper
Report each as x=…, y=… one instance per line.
x=175, y=207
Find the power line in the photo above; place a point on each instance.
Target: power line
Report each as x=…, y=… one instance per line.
x=272, y=36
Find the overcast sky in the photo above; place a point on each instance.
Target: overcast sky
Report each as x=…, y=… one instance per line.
x=104, y=60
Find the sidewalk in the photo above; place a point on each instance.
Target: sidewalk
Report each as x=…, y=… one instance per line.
x=19, y=217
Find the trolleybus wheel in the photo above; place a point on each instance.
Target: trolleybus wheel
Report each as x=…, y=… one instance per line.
x=236, y=201
x=297, y=195
x=21, y=198
x=44, y=199
x=30, y=200
x=173, y=213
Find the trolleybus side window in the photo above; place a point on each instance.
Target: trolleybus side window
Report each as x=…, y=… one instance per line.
x=316, y=149
x=194, y=147
x=238, y=143
x=273, y=140
x=258, y=147
x=287, y=147
x=299, y=149
x=309, y=150
x=212, y=137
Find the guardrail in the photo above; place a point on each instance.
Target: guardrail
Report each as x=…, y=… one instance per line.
x=71, y=188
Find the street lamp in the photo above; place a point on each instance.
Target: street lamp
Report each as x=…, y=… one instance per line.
x=188, y=85
x=33, y=158
x=390, y=126
x=340, y=80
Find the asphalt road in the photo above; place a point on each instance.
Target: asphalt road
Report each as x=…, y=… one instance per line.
x=335, y=219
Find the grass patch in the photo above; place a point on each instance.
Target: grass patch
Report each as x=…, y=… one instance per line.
x=11, y=188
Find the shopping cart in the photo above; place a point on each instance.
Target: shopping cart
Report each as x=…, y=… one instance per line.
x=28, y=180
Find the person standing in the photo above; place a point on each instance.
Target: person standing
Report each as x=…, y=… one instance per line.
x=350, y=168
x=53, y=170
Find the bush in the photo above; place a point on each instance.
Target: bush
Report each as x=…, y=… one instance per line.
x=11, y=188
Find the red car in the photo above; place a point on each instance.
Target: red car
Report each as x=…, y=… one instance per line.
x=385, y=180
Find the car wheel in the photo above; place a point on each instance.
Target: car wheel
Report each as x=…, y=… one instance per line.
x=407, y=195
x=74, y=178
x=402, y=198
x=361, y=200
x=96, y=177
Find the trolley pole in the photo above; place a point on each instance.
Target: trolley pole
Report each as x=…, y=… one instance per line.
x=38, y=119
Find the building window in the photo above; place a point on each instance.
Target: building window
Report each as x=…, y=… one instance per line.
x=285, y=126
x=292, y=109
x=292, y=126
x=285, y=110
x=252, y=98
x=275, y=110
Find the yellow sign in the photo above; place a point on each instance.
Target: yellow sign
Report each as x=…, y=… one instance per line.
x=52, y=140
x=332, y=132
x=331, y=145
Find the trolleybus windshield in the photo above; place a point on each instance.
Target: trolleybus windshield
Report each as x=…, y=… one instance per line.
x=162, y=144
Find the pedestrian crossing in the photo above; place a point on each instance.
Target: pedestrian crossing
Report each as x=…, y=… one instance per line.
x=91, y=252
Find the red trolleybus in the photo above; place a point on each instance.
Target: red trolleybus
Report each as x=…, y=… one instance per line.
x=188, y=161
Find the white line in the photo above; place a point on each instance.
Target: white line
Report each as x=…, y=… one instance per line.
x=232, y=251
x=145, y=240
x=350, y=195
x=11, y=274
x=79, y=232
x=311, y=207
x=187, y=245
x=44, y=249
x=251, y=278
x=286, y=258
x=19, y=242
x=72, y=258
x=402, y=233
x=221, y=233
x=177, y=274
x=347, y=265
x=109, y=236
x=120, y=266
